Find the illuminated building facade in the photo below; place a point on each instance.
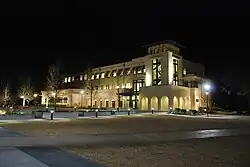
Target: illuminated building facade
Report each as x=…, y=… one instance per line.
x=162, y=79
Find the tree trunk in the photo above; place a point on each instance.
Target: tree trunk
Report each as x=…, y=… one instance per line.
x=55, y=101
x=91, y=98
x=23, y=102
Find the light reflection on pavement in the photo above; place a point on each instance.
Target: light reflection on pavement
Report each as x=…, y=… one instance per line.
x=117, y=138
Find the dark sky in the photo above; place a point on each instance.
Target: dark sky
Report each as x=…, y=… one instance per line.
x=33, y=36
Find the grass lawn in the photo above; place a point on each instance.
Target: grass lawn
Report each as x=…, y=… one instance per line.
x=217, y=152
x=146, y=124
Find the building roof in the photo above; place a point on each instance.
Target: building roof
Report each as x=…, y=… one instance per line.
x=164, y=42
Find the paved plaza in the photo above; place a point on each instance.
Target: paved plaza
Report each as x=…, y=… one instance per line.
x=125, y=141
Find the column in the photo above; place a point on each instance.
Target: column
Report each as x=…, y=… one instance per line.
x=180, y=69
x=170, y=67
x=192, y=98
x=148, y=67
x=149, y=103
x=159, y=104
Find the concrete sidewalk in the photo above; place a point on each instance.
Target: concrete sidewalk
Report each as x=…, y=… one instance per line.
x=38, y=156
x=80, y=140
x=11, y=157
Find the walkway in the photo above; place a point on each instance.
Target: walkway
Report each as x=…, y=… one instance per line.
x=37, y=156
x=80, y=140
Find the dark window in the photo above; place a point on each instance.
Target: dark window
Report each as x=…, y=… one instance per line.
x=175, y=63
x=100, y=103
x=113, y=104
x=107, y=104
x=156, y=72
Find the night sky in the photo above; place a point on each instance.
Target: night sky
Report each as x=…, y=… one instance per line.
x=78, y=35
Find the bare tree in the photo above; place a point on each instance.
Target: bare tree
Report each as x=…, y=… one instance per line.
x=6, y=94
x=25, y=91
x=91, y=90
x=115, y=91
x=53, y=82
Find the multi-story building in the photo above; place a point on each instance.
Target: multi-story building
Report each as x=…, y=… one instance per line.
x=160, y=80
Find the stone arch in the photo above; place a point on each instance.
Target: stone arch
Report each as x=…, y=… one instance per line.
x=144, y=103
x=154, y=103
x=164, y=103
x=187, y=103
x=181, y=103
x=175, y=103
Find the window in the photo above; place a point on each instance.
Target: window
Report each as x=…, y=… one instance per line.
x=69, y=79
x=114, y=73
x=119, y=72
x=73, y=79
x=156, y=73
x=175, y=66
x=107, y=74
x=100, y=104
x=93, y=76
x=126, y=71
x=65, y=80
x=81, y=77
x=184, y=71
x=107, y=103
x=137, y=84
x=128, y=85
x=95, y=104
x=134, y=70
x=102, y=75
x=97, y=76
x=107, y=86
x=85, y=77
x=113, y=104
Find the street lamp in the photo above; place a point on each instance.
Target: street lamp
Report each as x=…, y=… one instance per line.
x=35, y=95
x=207, y=88
x=22, y=97
x=118, y=99
x=81, y=96
x=54, y=95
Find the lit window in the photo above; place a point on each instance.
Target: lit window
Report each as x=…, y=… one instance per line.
x=73, y=78
x=81, y=77
x=128, y=85
x=139, y=70
x=65, y=80
x=85, y=77
x=97, y=76
x=93, y=76
x=144, y=70
x=134, y=70
x=69, y=79
x=184, y=71
x=114, y=73
x=102, y=75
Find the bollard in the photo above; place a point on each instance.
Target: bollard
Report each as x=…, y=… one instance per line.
x=129, y=111
x=51, y=115
x=96, y=113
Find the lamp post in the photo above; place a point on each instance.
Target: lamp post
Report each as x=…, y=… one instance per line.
x=54, y=95
x=22, y=97
x=207, y=88
x=81, y=97
x=118, y=97
x=34, y=102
